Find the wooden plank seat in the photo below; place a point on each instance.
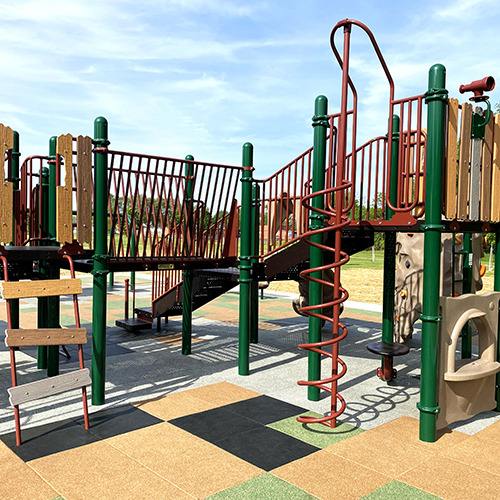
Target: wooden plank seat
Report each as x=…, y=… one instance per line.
x=28, y=337
x=387, y=350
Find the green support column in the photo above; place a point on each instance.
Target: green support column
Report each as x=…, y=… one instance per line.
x=187, y=274
x=53, y=319
x=390, y=243
x=245, y=279
x=496, y=288
x=436, y=98
x=254, y=297
x=320, y=124
x=43, y=269
x=14, y=303
x=466, y=335
x=100, y=260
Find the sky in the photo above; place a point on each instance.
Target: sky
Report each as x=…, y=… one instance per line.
x=202, y=77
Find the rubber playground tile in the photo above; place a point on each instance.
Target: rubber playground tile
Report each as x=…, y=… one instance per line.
x=174, y=339
x=315, y=434
x=492, y=432
x=476, y=452
x=197, y=467
x=48, y=439
x=383, y=454
x=452, y=480
x=331, y=477
x=266, y=448
x=400, y=491
x=222, y=393
x=264, y=487
x=119, y=420
x=407, y=428
x=100, y=471
x=174, y=405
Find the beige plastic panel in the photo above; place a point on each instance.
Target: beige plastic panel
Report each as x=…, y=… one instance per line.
x=467, y=387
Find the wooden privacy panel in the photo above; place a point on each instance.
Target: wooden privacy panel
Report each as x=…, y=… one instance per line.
x=64, y=192
x=472, y=179
x=6, y=188
x=41, y=288
x=27, y=337
x=84, y=189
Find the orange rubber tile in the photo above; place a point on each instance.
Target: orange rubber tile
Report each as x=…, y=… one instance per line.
x=477, y=452
x=194, y=465
x=175, y=405
x=491, y=432
x=175, y=339
x=222, y=393
x=452, y=480
x=100, y=471
x=367, y=448
x=330, y=477
x=19, y=481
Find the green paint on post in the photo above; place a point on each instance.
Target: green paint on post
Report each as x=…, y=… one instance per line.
x=187, y=275
x=436, y=98
x=254, y=295
x=245, y=279
x=320, y=124
x=466, y=334
x=53, y=303
x=14, y=303
x=100, y=270
x=390, y=243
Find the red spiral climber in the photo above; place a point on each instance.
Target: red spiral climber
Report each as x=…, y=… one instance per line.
x=340, y=294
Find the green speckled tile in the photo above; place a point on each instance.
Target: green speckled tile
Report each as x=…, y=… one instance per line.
x=315, y=434
x=401, y=491
x=264, y=487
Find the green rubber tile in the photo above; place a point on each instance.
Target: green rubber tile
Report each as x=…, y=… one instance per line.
x=315, y=434
x=264, y=487
x=401, y=491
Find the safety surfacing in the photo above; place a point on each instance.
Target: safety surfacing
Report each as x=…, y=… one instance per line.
x=184, y=427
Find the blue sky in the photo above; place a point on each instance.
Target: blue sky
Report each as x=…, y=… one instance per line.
x=202, y=77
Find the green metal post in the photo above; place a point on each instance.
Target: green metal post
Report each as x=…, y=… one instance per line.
x=14, y=304
x=320, y=124
x=466, y=335
x=42, y=308
x=245, y=279
x=53, y=319
x=254, y=296
x=436, y=98
x=496, y=287
x=390, y=243
x=100, y=260
x=187, y=274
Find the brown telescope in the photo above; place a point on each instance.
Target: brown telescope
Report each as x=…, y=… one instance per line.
x=479, y=86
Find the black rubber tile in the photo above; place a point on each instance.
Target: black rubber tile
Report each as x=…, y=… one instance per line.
x=48, y=439
x=264, y=409
x=266, y=448
x=119, y=420
x=215, y=425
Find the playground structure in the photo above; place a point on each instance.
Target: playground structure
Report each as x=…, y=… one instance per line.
x=179, y=219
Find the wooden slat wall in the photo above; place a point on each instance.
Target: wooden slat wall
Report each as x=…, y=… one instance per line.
x=495, y=174
x=451, y=161
x=486, y=185
x=64, y=192
x=463, y=166
x=45, y=336
x=6, y=188
x=48, y=387
x=84, y=190
x=41, y=288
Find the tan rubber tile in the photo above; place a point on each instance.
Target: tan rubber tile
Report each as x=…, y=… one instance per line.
x=175, y=405
x=477, y=452
x=407, y=429
x=100, y=471
x=19, y=481
x=175, y=339
x=222, y=393
x=330, y=477
x=452, y=480
x=491, y=432
x=366, y=449
x=194, y=465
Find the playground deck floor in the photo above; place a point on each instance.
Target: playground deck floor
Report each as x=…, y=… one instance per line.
x=184, y=427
